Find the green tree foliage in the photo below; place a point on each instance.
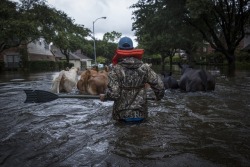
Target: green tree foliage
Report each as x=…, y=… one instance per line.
x=111, y=36
x=222, y=23
x=88, y=49
x=16, y=25
x=101, y=59
x=160, y=29
x=106, y=47
x=162, y=25
x=30, y=20
x=57, y=27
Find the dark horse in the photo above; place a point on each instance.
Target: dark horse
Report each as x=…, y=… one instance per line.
x=195, y=79
x=169, y=81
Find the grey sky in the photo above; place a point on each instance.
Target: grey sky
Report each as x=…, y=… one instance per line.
x=119, y=16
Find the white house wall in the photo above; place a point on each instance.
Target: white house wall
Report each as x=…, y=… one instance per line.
x=39, y=47
x=76, y=63
x=88, y=63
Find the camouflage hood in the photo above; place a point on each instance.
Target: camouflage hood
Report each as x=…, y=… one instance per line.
x=130, y=62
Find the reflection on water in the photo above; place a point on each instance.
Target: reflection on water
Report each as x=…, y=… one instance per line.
x=184, y=129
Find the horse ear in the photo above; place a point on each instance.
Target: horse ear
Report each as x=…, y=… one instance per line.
x=106, y=68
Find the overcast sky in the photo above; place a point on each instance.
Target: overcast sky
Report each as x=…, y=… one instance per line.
x=119, y=16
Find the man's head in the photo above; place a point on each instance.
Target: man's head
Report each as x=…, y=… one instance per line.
x=125, y=43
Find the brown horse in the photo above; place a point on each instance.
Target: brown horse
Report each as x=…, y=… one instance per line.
x=93, y=82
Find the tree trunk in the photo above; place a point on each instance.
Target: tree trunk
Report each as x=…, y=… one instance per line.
x=162, y=64
x=170, y=64
x=231, y=68
x=66, y=53
x=231, y=64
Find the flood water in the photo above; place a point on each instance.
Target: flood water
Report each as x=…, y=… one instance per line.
x=184, y=129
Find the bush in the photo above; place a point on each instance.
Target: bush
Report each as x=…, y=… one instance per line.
x=176, y=59
x=2, y=66
x=215, y=58
x=243, y=57
x=41, y=65
x=47, y=65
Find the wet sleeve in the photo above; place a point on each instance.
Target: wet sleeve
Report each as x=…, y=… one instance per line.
x=113, y=90
x=156, y=83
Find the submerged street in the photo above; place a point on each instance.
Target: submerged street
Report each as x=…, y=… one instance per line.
x=183, y=129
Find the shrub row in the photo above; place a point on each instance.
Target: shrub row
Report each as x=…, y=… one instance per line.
x=243, y=57
x=1, y=65
x=40, y=66
x=47, y=65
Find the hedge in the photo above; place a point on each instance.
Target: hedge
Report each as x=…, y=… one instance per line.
x=47, y=65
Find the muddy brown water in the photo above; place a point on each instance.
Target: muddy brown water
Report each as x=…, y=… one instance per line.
x=183, y=129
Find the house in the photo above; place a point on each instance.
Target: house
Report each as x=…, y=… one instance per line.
x=76, y=58
x=244, y=44
x=38, y=50
x=85, y=60
x=11, y=58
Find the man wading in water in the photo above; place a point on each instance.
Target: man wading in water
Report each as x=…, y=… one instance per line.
x=127, y=81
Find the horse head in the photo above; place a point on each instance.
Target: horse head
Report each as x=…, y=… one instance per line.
x=184, y=67
x=75, y=69
x=169, y=81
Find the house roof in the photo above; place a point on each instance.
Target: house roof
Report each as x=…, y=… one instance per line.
x=56, y=52
x=39, y=47
x=247, y=48
x=82, y=56
x=72, y=56
x=40, y=57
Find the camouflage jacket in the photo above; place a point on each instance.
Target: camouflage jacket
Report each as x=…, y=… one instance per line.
x=126, y=86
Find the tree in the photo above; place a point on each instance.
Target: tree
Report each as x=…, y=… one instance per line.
x=60, y=29
x=101, y=59
x=222, y=23
x=111, y=36
x=106, y=47
x=25, y=22
x=160, y=29
x=16, y=25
